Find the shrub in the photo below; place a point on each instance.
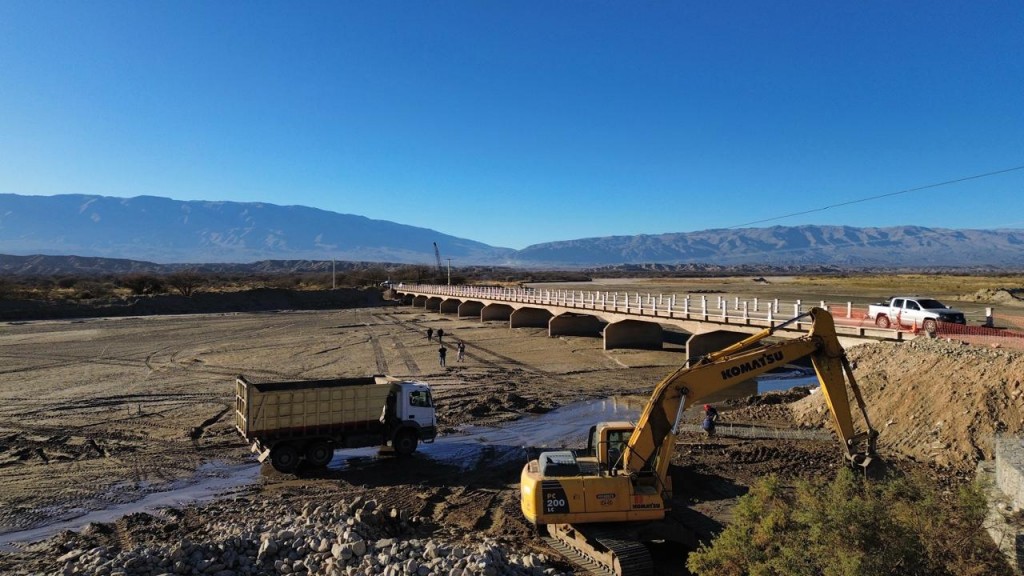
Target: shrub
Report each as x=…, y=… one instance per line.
x=143, y=284
x=853, y=527
x=89, y=289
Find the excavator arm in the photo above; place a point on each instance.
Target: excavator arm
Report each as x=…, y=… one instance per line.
x=650, y=446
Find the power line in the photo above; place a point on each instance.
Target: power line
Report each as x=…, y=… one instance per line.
x=869, y=198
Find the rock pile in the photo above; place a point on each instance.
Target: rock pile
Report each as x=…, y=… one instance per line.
x=357, y=537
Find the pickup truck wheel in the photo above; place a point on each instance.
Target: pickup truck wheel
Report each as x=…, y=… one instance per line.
x=319, y=453
x=405, y=443
x=882, y=321
x=284, y=458
x=929, y=325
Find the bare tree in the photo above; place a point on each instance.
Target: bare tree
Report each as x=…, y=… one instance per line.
x=185, y=282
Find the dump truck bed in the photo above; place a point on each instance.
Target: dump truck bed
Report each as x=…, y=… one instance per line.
x=277, y=409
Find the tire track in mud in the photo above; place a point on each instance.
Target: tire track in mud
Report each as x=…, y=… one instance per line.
x=481, y=354
x=378, y=354
x=407, y=359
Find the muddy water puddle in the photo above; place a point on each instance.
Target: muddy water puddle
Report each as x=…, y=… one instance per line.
x=212, y=480
x=565, y=427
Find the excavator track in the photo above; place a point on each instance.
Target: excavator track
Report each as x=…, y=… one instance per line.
x=601, y=550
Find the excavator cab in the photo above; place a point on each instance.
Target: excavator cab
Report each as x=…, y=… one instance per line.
x=607, y=442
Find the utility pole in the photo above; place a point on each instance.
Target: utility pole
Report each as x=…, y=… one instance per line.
x=449, y=271
x=334, y=281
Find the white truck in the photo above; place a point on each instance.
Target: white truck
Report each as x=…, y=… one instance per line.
x=289, y=422
x=913, y=312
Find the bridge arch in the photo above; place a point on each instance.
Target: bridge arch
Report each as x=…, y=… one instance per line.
x=496, y=312
x=633, y=334
x=470, y=309
x=449, y=306
x=530, y=317
x=572, y=324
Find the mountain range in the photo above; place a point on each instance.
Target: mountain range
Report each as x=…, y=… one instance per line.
x=168, y=231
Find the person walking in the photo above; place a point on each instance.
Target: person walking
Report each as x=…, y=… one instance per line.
x=440, y=334
x=710, y=418
x=462, y=350
x=430, y=333
x=441, y=353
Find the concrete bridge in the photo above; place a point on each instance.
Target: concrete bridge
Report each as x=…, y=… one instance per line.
x=635, y=320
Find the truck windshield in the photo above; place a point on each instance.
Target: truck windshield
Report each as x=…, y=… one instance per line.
x=929, y=304
x=420, y=398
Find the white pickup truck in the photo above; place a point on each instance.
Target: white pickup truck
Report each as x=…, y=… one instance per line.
x=913, y=312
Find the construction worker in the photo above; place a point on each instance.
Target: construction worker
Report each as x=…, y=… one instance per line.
x=710, y=418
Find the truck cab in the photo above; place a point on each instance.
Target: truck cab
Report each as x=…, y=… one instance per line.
x=409, y=407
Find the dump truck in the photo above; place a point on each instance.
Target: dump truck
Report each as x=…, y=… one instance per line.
x=305, y=421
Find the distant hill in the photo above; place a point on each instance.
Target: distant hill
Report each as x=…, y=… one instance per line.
x=162, y=231
x=845, y=246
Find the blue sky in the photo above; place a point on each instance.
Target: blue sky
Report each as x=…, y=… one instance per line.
x=514, y=123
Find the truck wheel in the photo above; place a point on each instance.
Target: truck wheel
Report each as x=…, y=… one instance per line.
x=929, y=325
x=882, y=321
x=405, y=443
x=284, y=458
x=319, y=453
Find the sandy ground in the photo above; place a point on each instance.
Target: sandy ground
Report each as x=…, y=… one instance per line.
x=99, y=413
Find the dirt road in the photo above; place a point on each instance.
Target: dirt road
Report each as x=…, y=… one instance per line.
x=100, y=413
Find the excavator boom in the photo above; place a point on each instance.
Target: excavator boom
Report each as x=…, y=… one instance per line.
x=741, y=361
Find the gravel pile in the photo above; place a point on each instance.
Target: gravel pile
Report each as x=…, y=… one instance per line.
x=339, y=538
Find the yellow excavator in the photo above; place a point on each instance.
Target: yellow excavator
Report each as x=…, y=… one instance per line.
x=604, y=503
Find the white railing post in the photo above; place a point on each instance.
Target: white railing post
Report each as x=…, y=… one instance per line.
x=989, y=322
x=745, y=315
x=736, y=303
x=615, y=301
x=796, y=308
x=771, y=318
x=755, y=305
x=775, y=307
x=725, y=308
x=849, y=309
x=686, y=305
x=704, y=307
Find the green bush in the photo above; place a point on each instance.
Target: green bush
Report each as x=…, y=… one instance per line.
x=853, y=527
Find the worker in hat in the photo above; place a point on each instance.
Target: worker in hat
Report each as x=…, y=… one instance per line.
x=710, y=417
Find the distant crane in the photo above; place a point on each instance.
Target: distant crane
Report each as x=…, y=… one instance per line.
x=440, y=271
x=437, y=254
